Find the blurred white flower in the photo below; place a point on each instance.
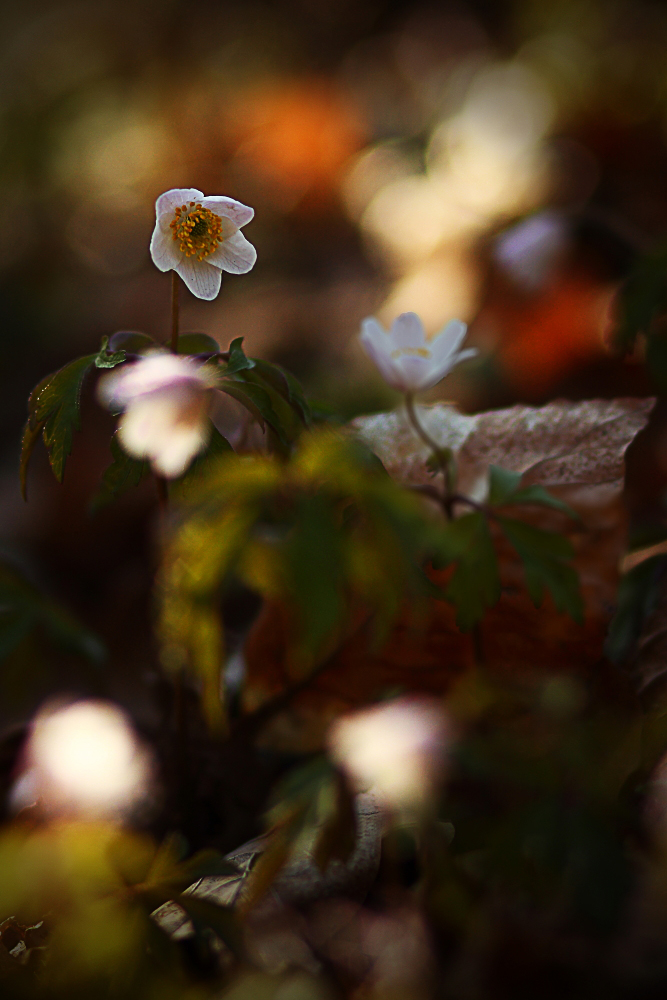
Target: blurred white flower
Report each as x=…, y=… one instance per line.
x=83, y=759
x=199, y=237
x=406, y=359
x=166, y=400
x=396, y=749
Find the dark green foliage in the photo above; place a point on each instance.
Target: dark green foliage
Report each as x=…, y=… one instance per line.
x=197, y=343
x=475, y=583
x=237, y=360
x=545, y=557
x=258, y=402
x=107, y=358
x=315, y=569
x=638, y=594
x=123, y=473
x=53, y=409
x=643, y=298
x=24, y=608
x=505, y=488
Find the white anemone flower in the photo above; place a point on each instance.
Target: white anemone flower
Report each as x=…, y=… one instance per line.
x=396, y=749
x=199, y=237
x=408, y=361
x=166, y=401
x=83, y=759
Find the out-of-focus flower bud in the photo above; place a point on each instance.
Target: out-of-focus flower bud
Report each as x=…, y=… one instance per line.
x=83, y=760
x=408, y=361
x=397, y=749
x=166, y=401
x=199, y=237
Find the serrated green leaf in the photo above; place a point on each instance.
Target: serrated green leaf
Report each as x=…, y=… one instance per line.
x=638, y=595
x=505, y=488
x=123, y=473
x=197, y=343
x=502, y=484
x=258, y=402
x=475, y=584
x=132, y=342
x=237, y=361
x=55, y=404
x=315, y=567
x=28, y=442
x=107, y=358
x=545, y=557
x=286, y=385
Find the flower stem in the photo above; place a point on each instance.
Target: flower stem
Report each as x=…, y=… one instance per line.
x=435, y=448
x=174, y=312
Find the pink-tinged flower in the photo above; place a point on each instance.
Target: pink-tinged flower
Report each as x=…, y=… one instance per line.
x=83, y=759
x=199, y=237
x=166, y=400
x=396, y=749
x=406, y=359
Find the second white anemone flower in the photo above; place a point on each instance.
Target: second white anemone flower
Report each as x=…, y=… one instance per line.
x=199, y=237
x=165, y=400
x=408, y=361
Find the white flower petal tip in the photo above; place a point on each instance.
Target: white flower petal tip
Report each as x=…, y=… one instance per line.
x=166, y=401
x=398, y=749
x=405, y=358
x=198, y=237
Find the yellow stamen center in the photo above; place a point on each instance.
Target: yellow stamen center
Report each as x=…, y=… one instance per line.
x=417, y=352
x=197, y=230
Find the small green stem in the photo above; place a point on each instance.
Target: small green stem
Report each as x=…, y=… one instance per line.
x=174, y=312
x=435, y=448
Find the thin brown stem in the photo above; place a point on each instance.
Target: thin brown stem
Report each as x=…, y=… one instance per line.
x=174, y=312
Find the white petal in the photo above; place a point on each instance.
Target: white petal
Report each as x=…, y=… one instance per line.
x=176, y=454
x=407, y=330
x=235, y=254
x=167, y=427
x=157, y=371
x=164, y=249
x=203, y=279
x=378, y=347
x=415, y=372
x=239, y=213
x=447, y=342
x=438, y=371
x=168, y=201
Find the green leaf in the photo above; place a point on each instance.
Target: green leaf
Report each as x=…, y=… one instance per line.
x=28, y=442
x=123, y=473
x=109, y=359
x=286, y=385
x=545, y=556
x=638, y=595
x=54, y=406
x=475, y=584
x=314, y=559
x=642, y=298
x=258, y=402
x=197, y=343
x=505, y=488
x=132, y=342
x=237, y=361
